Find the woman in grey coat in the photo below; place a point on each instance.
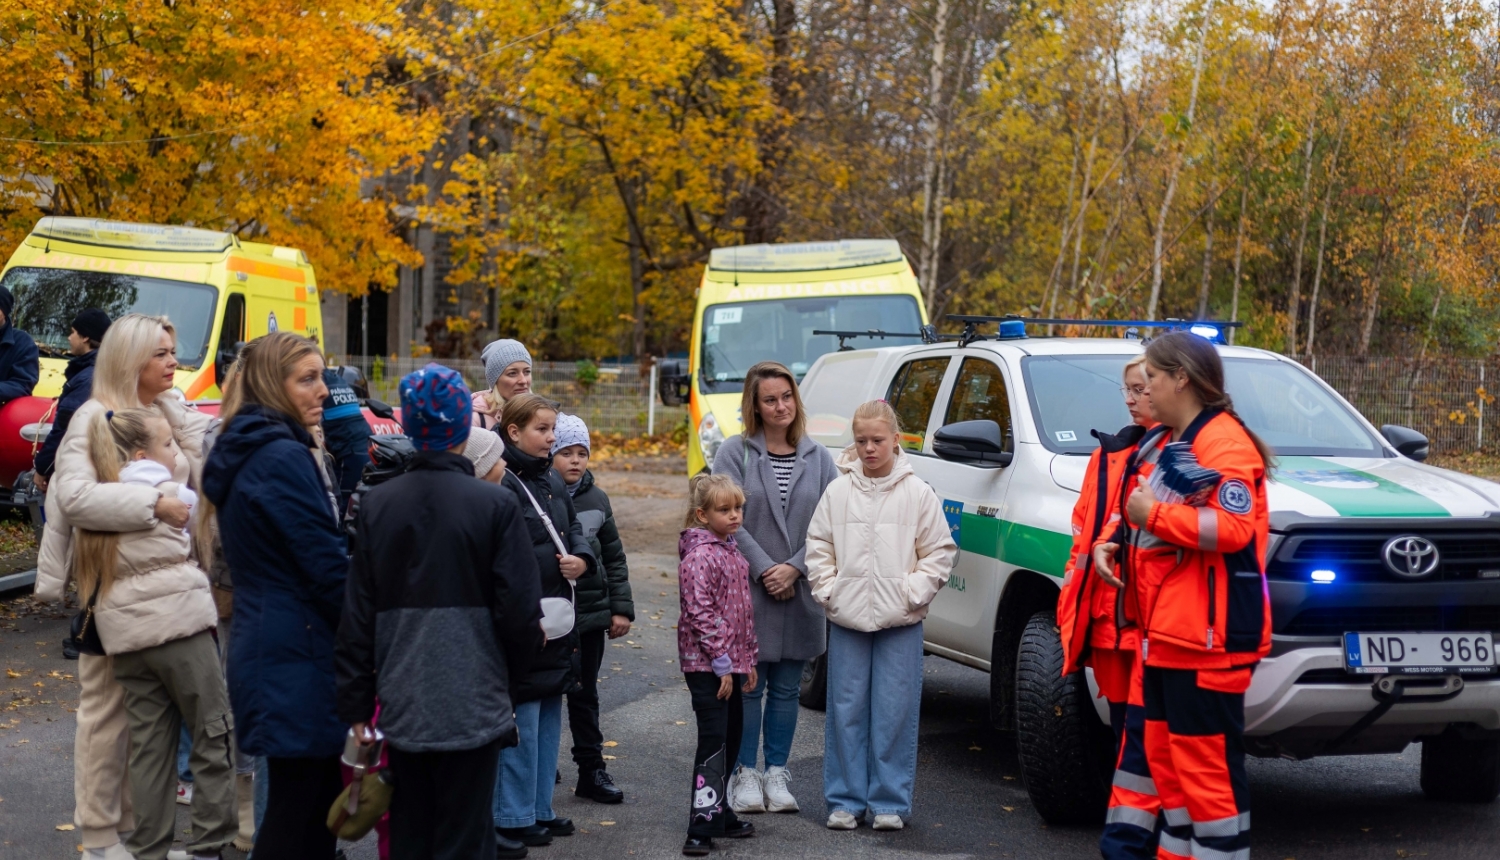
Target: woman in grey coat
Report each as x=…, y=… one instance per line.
x=783, y=474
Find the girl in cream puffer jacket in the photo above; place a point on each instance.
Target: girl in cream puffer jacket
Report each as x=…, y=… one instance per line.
x=878, y=552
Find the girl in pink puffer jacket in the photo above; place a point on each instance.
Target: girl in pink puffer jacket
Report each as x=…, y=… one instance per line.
x=717, y=644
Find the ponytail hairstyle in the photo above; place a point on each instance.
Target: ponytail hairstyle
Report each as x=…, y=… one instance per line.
x=1199, y=361
x=878, y=410
x=258, y=376
x=707, y=490
x=113, y=437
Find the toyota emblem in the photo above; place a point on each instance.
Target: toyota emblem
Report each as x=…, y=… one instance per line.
x=1410, y=556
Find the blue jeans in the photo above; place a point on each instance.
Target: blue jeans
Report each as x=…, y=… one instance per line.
x=784, y=680
x=870, y=738
x=528, y=772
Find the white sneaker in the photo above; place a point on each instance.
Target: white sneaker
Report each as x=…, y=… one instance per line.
x=888, y=822
x=778, y=796
x=114, y=852
x=184, y=793
x=841, y=820
x=178, y=854
x=745, y=793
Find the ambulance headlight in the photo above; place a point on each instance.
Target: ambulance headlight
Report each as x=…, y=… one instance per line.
x=710, y=437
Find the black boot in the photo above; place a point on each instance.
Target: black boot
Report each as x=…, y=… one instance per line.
x=597, y=786
x=698, y=846
x=535, y=835
x=558, y=826
x=508, y=849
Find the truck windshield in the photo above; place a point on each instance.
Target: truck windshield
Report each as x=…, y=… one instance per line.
x=48, y=299
x=736, y=336
x=1284, y=404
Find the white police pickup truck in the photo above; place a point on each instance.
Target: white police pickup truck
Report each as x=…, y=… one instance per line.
x=1384, y=572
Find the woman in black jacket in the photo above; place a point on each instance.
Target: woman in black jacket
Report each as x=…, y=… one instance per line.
x=523, y=792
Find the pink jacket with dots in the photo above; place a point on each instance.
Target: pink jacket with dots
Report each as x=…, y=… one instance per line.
x=717, y=619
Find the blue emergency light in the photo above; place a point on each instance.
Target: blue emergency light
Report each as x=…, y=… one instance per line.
x=1324, y=576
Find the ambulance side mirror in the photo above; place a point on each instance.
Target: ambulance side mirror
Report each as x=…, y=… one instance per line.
x=225, y=358
x=978, y=443
x=673, y=381
x=1406, y=441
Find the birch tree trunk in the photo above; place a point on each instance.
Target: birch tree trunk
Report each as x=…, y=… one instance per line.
x=932, y=208
x=1239, y=257
x=1294, y=292
x=1159, y=239
x=1208, y=256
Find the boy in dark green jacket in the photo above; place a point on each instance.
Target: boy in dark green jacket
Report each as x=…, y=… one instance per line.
x=604, y=607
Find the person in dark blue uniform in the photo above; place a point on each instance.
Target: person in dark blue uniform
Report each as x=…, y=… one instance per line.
x=20, y=366
x=346, y=433
x=83, y=341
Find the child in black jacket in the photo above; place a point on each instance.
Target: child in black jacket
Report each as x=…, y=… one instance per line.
x=605, y=607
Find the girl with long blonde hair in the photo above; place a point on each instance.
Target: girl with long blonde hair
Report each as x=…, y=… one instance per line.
x=136, y=367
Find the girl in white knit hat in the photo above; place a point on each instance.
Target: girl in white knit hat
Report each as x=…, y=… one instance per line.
x=507, y=372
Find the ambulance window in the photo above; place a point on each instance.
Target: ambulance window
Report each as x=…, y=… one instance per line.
x=979, y=394
x=913, y=393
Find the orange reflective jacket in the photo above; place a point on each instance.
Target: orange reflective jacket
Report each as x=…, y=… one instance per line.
x=1196, y=575
x=1087, y=605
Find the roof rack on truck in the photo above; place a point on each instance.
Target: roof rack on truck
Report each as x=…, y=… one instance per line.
x=928, y=334
x=1013, y=326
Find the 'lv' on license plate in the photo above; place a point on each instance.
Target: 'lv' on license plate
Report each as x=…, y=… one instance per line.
x=1419, y=653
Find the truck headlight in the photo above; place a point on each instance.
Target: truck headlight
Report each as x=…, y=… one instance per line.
x=710, y=437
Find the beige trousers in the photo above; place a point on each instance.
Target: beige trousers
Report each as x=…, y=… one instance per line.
x=101, y=753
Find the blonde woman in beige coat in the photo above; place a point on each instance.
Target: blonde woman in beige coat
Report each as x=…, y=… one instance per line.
x=135, y=368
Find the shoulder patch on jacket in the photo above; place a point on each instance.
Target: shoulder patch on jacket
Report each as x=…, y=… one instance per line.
x=1234, y=496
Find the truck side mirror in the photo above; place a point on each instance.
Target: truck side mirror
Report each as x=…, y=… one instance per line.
x=380, y=409
x=979, y=443
x=1405, y=440
x=673, y=383
x=225, y=358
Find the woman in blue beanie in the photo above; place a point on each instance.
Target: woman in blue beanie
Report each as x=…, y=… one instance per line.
x=507, y=371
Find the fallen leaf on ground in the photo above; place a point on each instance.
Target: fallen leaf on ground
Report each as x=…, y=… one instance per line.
x=64, y=827
x=975, y=749
x=611, y=743
x=12, y=673
x=607, y=823
x=608, y=758
x=1008, y=808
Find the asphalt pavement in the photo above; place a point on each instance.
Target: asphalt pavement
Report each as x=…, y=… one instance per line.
x=970, y=801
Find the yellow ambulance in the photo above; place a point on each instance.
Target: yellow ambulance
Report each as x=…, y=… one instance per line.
x=763, y=303
x=218, y=290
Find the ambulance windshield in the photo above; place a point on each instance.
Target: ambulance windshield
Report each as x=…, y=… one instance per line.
x=1284, y=404
x=48, y=299
x=737, y=336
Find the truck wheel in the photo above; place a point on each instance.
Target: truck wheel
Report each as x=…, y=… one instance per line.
x=1066, y=753
x=815, y=683
x=1459, y=770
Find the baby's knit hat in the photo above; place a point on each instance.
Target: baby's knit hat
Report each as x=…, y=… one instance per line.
x=499, y=355
x=570, y=430
x=435, y=408
x=484, y=450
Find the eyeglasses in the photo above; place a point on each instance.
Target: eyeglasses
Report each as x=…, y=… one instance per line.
x=1137, y=391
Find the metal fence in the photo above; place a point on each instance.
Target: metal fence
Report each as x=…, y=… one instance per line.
x=1445, y=398
x=619, y=401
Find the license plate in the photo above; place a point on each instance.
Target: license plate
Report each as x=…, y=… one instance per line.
x=1419, y=653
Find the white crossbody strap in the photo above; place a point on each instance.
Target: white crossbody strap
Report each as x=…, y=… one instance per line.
x=557, y=540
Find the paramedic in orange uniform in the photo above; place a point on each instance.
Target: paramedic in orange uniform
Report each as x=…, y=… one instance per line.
x=1197, y=589
x=1086, y=606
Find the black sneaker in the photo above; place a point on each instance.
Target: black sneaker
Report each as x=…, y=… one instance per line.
x=536, y=835
x=558, y=826
x=739, y=830
x=508, y=849
x=597, y=786
x=698, y=846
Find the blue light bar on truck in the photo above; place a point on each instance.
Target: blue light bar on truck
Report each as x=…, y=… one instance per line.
x=1013, y=326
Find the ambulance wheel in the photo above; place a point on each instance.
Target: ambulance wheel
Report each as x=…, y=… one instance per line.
x=1458, y=770
x=1066, y=752
x=814, y=693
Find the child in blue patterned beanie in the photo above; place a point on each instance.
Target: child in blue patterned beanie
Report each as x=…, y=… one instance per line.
x=436, y=408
